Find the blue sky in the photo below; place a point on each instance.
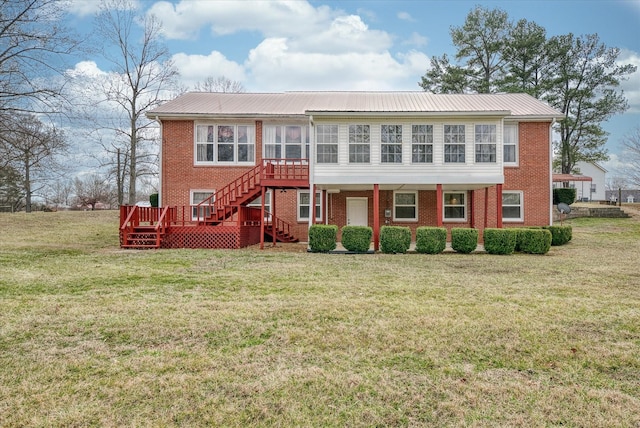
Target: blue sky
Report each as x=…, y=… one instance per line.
x=274, y=46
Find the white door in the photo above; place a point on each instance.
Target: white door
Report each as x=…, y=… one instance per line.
x=357, y=212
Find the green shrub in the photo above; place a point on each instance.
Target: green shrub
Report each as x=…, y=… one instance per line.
x=534, y=241
x=500, y=241
x=322, y=237
x=431, y=240
x=464, y=240
x=356, y=238
x=153, y=200
x=565, y=195
x=560, y=235
x=395, y=239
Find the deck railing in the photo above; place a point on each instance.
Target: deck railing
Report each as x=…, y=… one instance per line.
x=285, y=169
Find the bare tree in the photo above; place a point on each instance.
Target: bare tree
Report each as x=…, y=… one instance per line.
x=33, y=48
x=141, y=72
x=59, y=193
x=219, y=84
x=92, y=190
x=31, y=148
x=631, y=144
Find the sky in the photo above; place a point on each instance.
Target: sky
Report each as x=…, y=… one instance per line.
x=276, y=46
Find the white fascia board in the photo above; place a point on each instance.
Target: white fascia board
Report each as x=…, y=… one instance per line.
x=409, y=180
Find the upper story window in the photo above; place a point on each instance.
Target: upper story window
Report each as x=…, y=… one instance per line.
x=225, y=144
x=486, y=141
x=454, y=143
x=512, y=207
x=359, y=144
x=327, y=143
x=510, y=144
x=422, y=143
x=286, y=141
x=455, y=207
x=391, y=143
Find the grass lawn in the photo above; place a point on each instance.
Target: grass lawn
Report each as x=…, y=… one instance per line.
x=92, y=335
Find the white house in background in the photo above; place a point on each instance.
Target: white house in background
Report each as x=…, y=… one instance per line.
x=596, y=190
x=589, y=181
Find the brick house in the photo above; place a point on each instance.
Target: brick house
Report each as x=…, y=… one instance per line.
x=252, y=161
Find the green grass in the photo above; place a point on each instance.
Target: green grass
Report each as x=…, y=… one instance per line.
x=92, y=335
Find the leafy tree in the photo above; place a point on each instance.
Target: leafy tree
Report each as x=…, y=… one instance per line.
x=577, y=75
x=444, y=78
x=141, y=71
x=631, y=144
x=33, y=48
x=584, y=76
x=11, y=188
x=526, y=60
x=31, y=148
x=480, y=42
x=219, y=84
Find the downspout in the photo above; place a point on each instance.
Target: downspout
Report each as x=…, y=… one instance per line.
x=551, y=171
x=312, y=194
x=160, y=165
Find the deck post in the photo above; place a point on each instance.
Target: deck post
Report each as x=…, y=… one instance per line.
x=273, y=216
x=439, y=201
x=262, y=220
x=499, y=206
x=472, y=206
x=312, y=212
x=376, y=217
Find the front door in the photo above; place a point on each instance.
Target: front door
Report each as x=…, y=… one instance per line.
x=357, y=212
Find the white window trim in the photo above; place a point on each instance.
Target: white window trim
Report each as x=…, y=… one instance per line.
x=252, y=128
x=349, y=143
x=193, y=204
x=510, y=219
x=396, y=219
x=305, y=136
x=516, y=144
x=400, y=144
x=298, y=205
x=432, y=143
x=337, y=144
x=476, y=144
x=465, y=144
x=445, y=205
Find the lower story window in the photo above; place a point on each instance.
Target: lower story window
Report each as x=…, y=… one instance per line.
x=512, y=206
x=455, y=207
x=405, y=206
x=203, y=211
x=304, y=206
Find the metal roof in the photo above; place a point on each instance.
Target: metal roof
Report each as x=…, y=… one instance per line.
x=199, y=104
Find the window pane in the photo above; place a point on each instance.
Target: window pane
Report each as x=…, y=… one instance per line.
x=304, y=198
x=509, y=153
x=405, y=198
x=454, y=212
x=510, y=198
x=406, y=212
x=511, y=212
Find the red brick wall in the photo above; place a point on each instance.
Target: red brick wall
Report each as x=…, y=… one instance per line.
x=531, y=176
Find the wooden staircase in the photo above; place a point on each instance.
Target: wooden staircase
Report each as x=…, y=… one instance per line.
x=145, y=227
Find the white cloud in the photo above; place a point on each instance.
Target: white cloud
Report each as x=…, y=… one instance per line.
x=272, y=67
x=85, y=69
x=416, y=40
x=631, y=86
x=405, y=16
x=184, y=20
x=89, y=7
x=196, y=68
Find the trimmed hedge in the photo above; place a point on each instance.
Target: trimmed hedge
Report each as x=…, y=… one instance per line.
x=357, y=238
x=565, y=195
x=395, y=239
x=534, y=241
x=500, y=241
x=560, y=235
x=323, y=237
x=431, y=240
x=464, y=240
x=153, y=200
